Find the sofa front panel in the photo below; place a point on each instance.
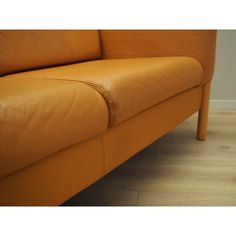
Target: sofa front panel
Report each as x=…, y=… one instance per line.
x=28, y=49
x=40, y=117
x=55, y=179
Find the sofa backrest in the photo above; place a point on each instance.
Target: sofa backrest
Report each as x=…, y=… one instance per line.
x=199, y=44
x=29, y=49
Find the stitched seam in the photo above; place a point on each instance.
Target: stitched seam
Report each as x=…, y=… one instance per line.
x=104, y=92
x=111, y=103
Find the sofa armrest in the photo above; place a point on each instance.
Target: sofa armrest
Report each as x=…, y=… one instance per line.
x=199, y=44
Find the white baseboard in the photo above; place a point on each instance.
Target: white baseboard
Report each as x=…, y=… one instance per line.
x=222, y=104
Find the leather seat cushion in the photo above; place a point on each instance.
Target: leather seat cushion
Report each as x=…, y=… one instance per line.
x=130, y=86
x=40, y=117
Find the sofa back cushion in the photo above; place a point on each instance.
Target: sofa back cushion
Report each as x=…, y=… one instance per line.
x=199, y=44
x=29, y=49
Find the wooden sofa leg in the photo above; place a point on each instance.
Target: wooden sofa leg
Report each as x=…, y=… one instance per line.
x=203, y=113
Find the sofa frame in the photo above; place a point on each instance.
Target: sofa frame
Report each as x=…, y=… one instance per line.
x=55, y=179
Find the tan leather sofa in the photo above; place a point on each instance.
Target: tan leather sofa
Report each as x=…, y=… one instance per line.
x=76, y=104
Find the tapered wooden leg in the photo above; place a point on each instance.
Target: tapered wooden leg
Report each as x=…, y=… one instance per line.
x=203, y=113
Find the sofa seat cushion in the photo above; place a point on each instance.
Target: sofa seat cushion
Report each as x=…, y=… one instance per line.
x=40, y=117
x=130, y=86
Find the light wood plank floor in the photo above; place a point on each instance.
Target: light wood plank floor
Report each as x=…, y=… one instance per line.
x=176, y=170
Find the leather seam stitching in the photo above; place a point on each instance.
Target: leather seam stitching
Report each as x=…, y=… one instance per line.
x=104, y=92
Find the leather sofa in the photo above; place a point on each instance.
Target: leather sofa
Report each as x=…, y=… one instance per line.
x=75, y=104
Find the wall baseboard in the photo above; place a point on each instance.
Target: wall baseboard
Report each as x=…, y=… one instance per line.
x=222, y=104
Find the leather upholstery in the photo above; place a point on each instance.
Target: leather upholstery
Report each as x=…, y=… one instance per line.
x=199, y=44
x=129, y=86
x=54, y=136
x=40, y=117
x=55, y=179
x=29, y=49
x=122, y=141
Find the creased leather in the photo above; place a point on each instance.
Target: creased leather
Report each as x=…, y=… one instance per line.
x=40, y=117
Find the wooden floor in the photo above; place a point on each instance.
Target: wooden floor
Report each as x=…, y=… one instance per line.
x=176, y=170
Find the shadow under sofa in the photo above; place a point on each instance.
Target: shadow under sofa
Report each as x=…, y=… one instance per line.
x=76, y=104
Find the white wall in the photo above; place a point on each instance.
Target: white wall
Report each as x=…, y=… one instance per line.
x=224, y=81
